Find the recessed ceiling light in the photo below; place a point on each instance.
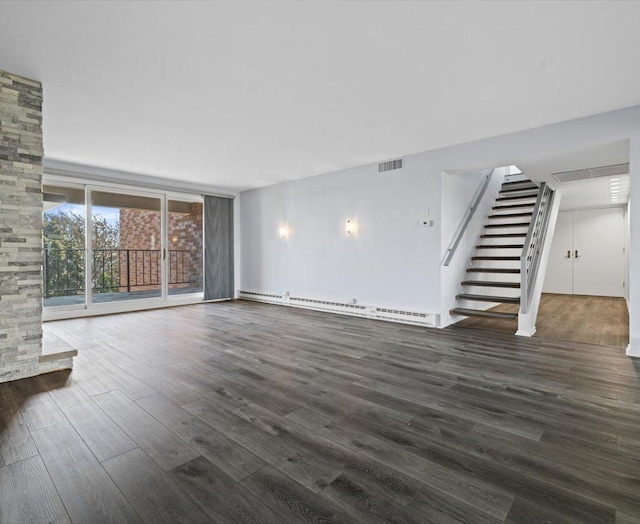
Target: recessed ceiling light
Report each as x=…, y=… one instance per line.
x=613, y=179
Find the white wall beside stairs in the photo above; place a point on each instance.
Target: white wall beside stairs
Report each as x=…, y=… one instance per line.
x=457, y=193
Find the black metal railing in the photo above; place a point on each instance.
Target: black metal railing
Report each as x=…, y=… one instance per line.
x=113, y=270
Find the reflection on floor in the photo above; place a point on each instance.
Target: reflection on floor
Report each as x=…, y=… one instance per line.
x=594, y=320
x=101, y=298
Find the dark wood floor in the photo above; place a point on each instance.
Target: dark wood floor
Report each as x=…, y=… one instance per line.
x=579, y=318
x=244, y=412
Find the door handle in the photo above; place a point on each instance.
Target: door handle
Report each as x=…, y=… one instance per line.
x=576, y=255
x=568, y=254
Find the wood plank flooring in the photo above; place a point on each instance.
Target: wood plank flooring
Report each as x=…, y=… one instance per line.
x=579, y=318
x=245, y=412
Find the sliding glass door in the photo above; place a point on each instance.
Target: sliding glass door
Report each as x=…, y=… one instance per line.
x=126, y=246
x=106, y=247
x=63, y=245
x=184, y=256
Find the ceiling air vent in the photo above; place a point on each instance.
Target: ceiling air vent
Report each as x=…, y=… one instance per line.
x=594, y=172
x=620, y=169
x=390, y=165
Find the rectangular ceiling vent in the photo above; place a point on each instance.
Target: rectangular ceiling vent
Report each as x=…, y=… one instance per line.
x=390, y=165
x=594, y=172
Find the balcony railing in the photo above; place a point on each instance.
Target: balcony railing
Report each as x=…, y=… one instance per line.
x=113, y=270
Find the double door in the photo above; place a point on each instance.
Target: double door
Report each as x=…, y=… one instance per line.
x=588, y=253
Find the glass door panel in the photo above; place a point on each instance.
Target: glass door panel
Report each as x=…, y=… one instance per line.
x=63, y=243
x=126, y=246
x=184, y=256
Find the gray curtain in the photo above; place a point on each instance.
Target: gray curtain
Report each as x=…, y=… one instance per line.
x=218, y=252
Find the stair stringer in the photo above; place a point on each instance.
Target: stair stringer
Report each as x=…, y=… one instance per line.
x=527, y=321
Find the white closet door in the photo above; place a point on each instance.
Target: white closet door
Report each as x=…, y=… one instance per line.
x=559, y=276
x=598, y=242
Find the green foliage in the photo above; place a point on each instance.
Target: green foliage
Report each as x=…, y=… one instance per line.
x=64, y=253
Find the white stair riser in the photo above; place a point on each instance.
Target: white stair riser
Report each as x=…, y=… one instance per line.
x=493, y=277
x=505, y=231
x=509, y=264
x=482, y=290
x=503, y=252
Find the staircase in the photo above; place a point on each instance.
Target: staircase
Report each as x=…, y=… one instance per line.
x=494, y=269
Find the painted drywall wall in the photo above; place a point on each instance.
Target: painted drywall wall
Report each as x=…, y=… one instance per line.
x=391, y=262
x=634, y=250
x=457, y=192
x=627, y=240
x=383, y=263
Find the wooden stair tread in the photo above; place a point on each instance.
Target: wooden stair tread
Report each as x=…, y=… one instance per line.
x=512, y=224
x=521, y=197
x=515, y=182
x=501, y=246
x=487, y=283
x=492, y=270
x=531, y=187
x=509, y=215
x=495, y=258
x=503, y=235
x=515, y=206
x=480, y=313
x=488, y=298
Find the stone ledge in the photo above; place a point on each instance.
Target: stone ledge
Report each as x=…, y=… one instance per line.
x=59, y=355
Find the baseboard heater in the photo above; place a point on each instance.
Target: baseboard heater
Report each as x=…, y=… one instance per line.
x=344, y=308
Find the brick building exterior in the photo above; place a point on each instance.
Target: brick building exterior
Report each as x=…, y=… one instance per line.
x=140, y=240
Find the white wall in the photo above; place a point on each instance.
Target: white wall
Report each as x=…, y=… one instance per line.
x=393, y=262
x=457, y=193
x=385, y=263
x=634, y=250
x=627, y=239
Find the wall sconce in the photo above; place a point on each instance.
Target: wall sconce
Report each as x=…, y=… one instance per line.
x=284, y=231
x=350, y=227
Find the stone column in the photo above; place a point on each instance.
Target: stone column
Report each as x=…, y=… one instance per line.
x=21, y=155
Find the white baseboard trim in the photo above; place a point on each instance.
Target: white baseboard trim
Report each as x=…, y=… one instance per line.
x=526, y=332
x=633, y=352
x=416, y=318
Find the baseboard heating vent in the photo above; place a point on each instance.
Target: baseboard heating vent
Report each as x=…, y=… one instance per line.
x=412, y=317
x=344, y=308
x=334, y=307
x=261, y=297
x=391, y=165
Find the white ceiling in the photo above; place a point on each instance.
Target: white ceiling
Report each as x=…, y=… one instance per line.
x=245, y=94
x=588, y=193
x=595, y=192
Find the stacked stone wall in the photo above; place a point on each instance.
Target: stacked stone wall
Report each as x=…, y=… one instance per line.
x=21, y=155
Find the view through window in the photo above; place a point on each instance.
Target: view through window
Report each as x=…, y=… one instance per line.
x=128, y=257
